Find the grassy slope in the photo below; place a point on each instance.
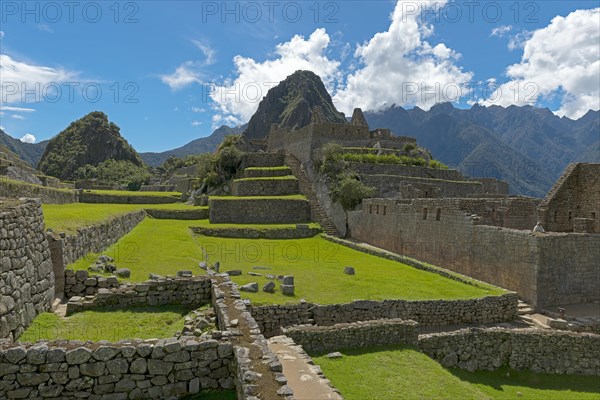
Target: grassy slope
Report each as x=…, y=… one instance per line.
x=398, y=372
x=108, y=324
x=167, y=246
x=69, y=217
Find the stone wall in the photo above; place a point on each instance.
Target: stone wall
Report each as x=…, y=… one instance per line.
x=301, y=231
x=323, y=339
x=259, y=211
x=196, y=213
x=408, y=187
x=265, y=187
x=264, y=173
x=274, y=159
x=149, y=369
x=81, y=283
x=484, y=310
x=92, y=239
x=26, y=275
x=540, y=351
x=194, y=291
x=406, y=170
x=544, y=269
x=575, y=195
x=87, y=197
x=47, y=195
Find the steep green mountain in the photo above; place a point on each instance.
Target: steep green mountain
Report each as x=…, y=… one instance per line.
x=207, y=144
x=89, y=140
x=527, y=146
x=291, y=103
x=28, y=152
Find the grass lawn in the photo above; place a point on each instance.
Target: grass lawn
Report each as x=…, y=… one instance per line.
x=70, y=217
x=167, y=246
x=401, y=372
x=109, y=324
x=131, y=193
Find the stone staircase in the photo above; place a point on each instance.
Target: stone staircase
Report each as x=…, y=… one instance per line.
x=317, y=212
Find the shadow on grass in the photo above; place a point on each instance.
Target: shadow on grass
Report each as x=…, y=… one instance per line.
x=506, y=376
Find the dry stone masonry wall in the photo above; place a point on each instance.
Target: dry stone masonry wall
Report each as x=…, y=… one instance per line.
x=323, y=339
x=540, y=351
x=150, y=369
x=484, y=310
x=265, y=187
x=47, y=195
x=81, y=283
x=26, y=275
x=299, y=232
x=89, y=197
x=194, y=291
x=259, y=211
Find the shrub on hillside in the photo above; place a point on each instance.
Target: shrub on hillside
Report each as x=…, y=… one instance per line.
x=350, y=192
x=120, y=172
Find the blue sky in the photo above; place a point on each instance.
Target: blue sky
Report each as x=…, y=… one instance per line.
x=170, y=72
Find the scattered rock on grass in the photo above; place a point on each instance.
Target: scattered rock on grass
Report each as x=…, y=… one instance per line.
x=251, y=287
x=234, y=272
x=269, y=287
x=335, y=354
x=349, y=271
x=123, y=272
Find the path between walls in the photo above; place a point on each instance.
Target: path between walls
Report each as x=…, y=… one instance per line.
x=305, y=378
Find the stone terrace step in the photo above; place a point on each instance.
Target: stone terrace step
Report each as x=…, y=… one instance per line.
x=259, y=210
x=271, y=186
x=262, y=159
x=265, y=172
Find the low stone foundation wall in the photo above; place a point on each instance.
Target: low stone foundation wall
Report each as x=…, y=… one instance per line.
x=265, y=187
x=197, y=213
x=26, y=275
x=15, y=189
x=259, y=211
x=266, y=172
x=150, y=369
x=484, y=310
x=300, y=232
x=81, y=283
x=274, y=159
x=323, y=339
x=195, y=291
x=540, y=351
x=85, y=197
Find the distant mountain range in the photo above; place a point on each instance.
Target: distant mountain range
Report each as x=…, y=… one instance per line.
x=29, y=152
x=527, y=146
x=202, y=145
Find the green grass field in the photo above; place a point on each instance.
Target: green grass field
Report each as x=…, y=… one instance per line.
x=270, y=178
x=399, y=372
x=108, y=324
x=69, y=217
x=167, y=246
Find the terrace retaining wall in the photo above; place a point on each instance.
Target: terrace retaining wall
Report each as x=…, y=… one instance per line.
x=46, y=194
x=299, y=232
x=484, y=310
x=26, y=275
x=85, y=197
x=259, y=211
x=265, y=187
x=196, y=213
x=323, y=339
x=150, y=369
x=540, y=351
x=194, y=291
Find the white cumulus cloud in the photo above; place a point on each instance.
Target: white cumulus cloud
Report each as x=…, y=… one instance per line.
x=28, y=138
x=237, y=99
x=562, y=60
x=17, y=76
x=400, y=66
x=187, y=73
x=501, y=30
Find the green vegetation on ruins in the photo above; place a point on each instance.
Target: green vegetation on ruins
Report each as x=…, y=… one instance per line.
x=70, y=217
x=108, y=324
x=316, y=264
x=402, y=372
x=91, y=140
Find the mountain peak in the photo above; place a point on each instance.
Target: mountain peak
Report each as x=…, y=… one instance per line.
x=291, y=104
x=89, y=140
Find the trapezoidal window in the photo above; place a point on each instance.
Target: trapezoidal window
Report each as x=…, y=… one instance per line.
x=425, y=213
x=593, y=215
x=555, y=216
x=570, y=215
x=384, y=210
x=438, y=214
